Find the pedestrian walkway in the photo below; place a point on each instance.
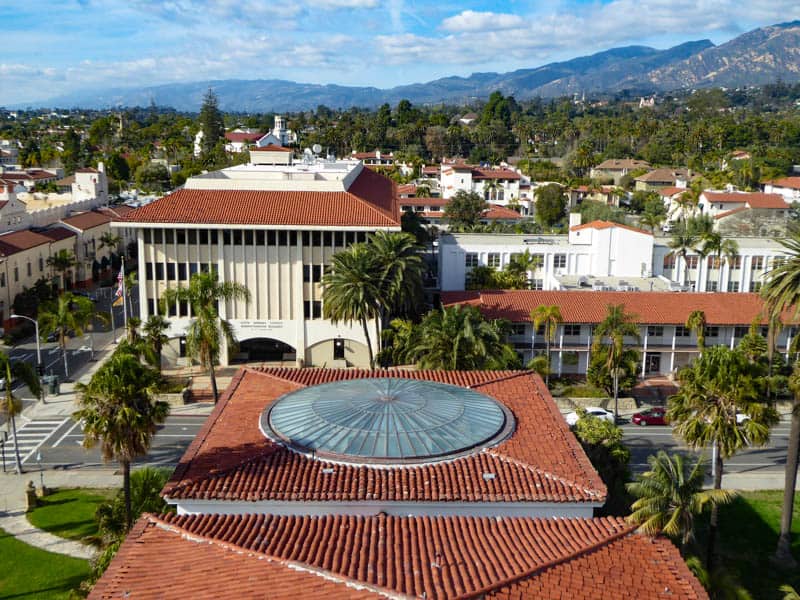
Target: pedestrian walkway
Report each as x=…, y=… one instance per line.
x=16, y=523
x=30, y=436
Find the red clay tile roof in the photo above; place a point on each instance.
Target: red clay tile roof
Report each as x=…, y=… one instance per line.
x=435, y=558
x=663, y=175
x=623, y=163
x=423, y=201
x=650, y=308
x=754, y=199
x=495, y=211
x=541, y=461
x=271, y=148
x=18, y=241
x=792, y=183
x=87, y=170
x=116, y=212
x=671, y=191
x=369, y=202
x=479, y=173
x=406, y=188
x=240, y=136
x=87, y=220
x=734, y=211
x=608, y=225
x=58, y=233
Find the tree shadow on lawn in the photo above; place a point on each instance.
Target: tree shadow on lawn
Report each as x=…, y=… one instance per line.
x=748, y=535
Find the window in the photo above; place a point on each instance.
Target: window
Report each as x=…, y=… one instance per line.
x=192, y=236
x=151, y=306
x=713, y=262
x=711, y=286
x=755, y=286
x=338, y=238
x=148, y=270
x=146, y=236
x=338, y=349
x=327, y=238
x=306, y=273
x=260, y=237
x=30, y=269
x=226, y=237
x=16, y=274
x=283, y=238
x=572, y=329
x=740, y=331
x=471, y=260
x=559, y=261
x=193, y=268
x=692, y=261
x=180, y=236
x=205, y=267
x=733, y=286
x=170, y=271
x=203, y=236
x=157, y=236
x=777, y=261
x=757, y=262
x=159, y=271
x=538, y=259
x=316, y=273
x=712, y=331
x=316, y=238
x=237, y=237
x=41, y=264
x=736, y=262
x=655, y=331
x=669, y=261
x=518, y=329
x=182, y=272
x=271, y=237
x=681, y=331
x=537, y=284
x=493, y=259
x=2, y=280
x=183, y=308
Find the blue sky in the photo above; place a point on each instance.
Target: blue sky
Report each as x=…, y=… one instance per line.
x=51, y=48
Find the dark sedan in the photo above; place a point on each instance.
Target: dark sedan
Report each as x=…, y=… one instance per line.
x=651, y=416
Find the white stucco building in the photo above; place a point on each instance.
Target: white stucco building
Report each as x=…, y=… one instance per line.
x=272, y=228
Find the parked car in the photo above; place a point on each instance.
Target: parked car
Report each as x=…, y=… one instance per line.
x=592, y=411
x=666, y=227
x=651, y=416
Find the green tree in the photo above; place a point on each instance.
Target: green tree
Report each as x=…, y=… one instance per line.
x=118, y=412
x=609, y=337
x=696, y=322
x=111, y=241
x=61, y=262
x=464, y=210
x=550, y=317
x=211, y=123
x=68, y=316
x=654, y=213
x=206, y=331
x=781, y=293
x=717, y=246
x=682, y=242
x=602, y=442
x=154, y=334
x=551, y=204
x=523, y=263
x=717, y=386
x=670, y=495
x=400, y=343
x=399, y=272
x=11, y=406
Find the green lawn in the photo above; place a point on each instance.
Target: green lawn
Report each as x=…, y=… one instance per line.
x=28, y=572
x=748, y=534
x=69, y=513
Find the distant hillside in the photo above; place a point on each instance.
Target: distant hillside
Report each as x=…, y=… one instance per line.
x=759, y=56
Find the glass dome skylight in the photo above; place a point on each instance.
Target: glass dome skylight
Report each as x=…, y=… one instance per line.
x=386, y=420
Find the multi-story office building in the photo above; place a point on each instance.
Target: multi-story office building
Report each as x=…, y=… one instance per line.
x=272, y=228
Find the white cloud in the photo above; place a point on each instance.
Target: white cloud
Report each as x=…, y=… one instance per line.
x=332, y=4
x=469, y=20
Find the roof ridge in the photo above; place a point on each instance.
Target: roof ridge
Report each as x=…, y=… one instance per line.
x=386, y=214
x=297, y=565
x=507, y=374
x=624, y=532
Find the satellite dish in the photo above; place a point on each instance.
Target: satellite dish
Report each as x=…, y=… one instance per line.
x=317, y=148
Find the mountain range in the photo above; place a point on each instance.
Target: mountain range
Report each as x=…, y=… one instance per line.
x=756, y=57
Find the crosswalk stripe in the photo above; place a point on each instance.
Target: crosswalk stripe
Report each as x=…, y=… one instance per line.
x=31, y=436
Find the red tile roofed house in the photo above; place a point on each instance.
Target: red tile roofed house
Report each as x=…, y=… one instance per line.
x=665, y=343
x=440, y=526
x=714, y=203
x=788, y=187
x=93, y=257
x=616, y=168
x=499, y=213
x=606, y=194
x=661, y=178
x=376, y=158
x=497, y=185
x=393, y=557
x=272, y=228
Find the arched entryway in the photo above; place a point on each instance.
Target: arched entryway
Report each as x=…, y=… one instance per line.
x=264, y=350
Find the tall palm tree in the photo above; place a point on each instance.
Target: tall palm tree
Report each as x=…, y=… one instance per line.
x=670, y=495
x=11, y=406
x=132, y=330
x=521, y=264
x=716, y=387
x=206, y=332
x=61, y=262
x=118, y=412
x=154, y=334
x=717, y=246
x=683, y=241
x=351, y=290
x=68, y=316
x=781, y=293
x=550, y=317
x=110, y=240
x=610, y=335
x=696, y=322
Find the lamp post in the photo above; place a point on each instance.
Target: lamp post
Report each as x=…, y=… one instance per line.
x=39, y=366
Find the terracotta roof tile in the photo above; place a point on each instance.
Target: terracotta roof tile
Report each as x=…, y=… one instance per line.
x=443, y=557
x=241, y=136
x=87, y=220
x=792, y=183
x=18, y=241
x=496, y=211
x=608, y=225
x=479, y=173
x=623, y=163
x=671, y=191
x=541, y=461
x=651, y=308
x=369, y=202
x=58, y=233
x=754, y=199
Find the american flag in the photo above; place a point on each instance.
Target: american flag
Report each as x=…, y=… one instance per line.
x=120, y=283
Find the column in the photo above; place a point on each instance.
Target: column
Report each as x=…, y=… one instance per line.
x=560, y=351
x=644, y=353
x=672, y=354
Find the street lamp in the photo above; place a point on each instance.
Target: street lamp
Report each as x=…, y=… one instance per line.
x=39, y=369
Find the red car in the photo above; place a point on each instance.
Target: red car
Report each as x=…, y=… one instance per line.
x=651, y=416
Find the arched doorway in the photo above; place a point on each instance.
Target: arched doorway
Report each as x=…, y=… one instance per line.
x=264, y=350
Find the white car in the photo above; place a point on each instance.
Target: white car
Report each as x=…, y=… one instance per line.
x=591, y=411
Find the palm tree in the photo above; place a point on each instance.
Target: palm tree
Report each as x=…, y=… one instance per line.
x=696, y=322
x=781, y=293
x=110, y=240
x=683, y=240
x=715, y=245
x=205, y=334
x=716, y=387
x=789, y=593
x=154, y=329
x=616, y=326
x=351, y=291
x=11, y=406
x=61, y=262
x=550, y=317
x=521, y=264
x=132, y=330
x=670, y=495
x=68, y=316
x=118, y=412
